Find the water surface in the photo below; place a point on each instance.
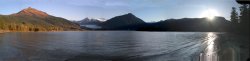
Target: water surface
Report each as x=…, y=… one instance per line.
x=122, y=46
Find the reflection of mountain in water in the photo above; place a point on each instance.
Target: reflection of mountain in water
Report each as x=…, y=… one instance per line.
x=91, y=27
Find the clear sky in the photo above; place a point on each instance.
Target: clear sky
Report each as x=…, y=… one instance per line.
x=148, y=10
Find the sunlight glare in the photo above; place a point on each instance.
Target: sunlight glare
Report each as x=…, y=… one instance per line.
x=210, y=14
x=210, y=52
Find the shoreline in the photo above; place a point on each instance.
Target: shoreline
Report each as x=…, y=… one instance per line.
x=1, y=31
x=4, y=32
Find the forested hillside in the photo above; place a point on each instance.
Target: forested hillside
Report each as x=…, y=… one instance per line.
x=31, y=19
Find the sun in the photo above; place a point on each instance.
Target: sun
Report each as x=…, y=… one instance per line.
x=210, y=14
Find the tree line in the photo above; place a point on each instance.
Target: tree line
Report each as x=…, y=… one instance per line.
x=240, y=19
x=11, y=23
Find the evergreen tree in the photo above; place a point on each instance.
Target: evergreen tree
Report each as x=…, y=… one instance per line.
x=244, y=14
x=248, y=13
x=234, y=16
x=244, y=17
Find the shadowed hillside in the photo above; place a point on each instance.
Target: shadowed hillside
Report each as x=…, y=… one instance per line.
x=190, y=24
x=119, y=22
x=131, y=22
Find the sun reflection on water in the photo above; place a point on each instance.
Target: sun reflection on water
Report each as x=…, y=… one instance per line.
x=209, y=54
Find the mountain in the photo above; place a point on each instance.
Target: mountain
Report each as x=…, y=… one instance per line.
x=122, y=22
x=131, y=22
x=31, y=12
x=90, y=21
x=189, y=24
x=31, y=19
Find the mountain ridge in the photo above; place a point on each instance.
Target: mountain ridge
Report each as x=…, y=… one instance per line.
x=90, y=21
x=218, y=24
x=31, y=19
x=122, y=21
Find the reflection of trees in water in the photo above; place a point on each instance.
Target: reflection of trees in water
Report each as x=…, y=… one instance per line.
x=29, y=44
x=101, y=46
x=1, y=37
x=32, y=46
x=8, y=52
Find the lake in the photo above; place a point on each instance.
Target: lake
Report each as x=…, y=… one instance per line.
x=123, y=46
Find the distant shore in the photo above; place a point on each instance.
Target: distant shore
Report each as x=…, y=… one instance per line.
x=3, y=31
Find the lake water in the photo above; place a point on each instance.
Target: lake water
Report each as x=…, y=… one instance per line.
x=122, y=46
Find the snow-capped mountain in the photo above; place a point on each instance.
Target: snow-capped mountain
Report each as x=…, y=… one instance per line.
x=91, y=21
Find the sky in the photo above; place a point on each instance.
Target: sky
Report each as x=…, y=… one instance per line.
x=147, y=10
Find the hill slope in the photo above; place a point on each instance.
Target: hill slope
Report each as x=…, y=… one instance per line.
x=122, y=21
x=31, y=19
x=189, y=24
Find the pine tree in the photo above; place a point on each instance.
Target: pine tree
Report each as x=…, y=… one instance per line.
x=244, y=14
x=234, y=16
x=248, y=14
x=244, y=17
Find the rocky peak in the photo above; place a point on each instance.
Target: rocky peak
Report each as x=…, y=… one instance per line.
x=31, y=12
